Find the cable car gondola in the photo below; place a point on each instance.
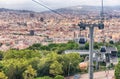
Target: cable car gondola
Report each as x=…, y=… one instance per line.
x=113, y=54
x=103, y=49
x=111, y=41
x=82, y=40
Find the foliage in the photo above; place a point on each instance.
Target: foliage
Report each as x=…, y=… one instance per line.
x=70, y=62
x=118, y=47
x=59, y=77
x=1, y=55
x=119, y=59
x=36, y=46
x=117, y=71
x=59, y=48
x=13, y=68
x=42, y=60
x=55, y=64
x=22, y=54
x=34, y=62
x=117, y=44
x=45, y=77
x=56, y=68
x=43, y=67
x=96, y=45
x=30, y=73
x=45, y=62
x=86, y=46
x=3, y=76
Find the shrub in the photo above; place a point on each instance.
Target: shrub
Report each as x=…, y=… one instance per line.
x=59, y=77
x=45, y=77
x=117, y=71
x=3, y=76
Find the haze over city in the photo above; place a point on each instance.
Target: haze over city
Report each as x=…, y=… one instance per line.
x=54, y=4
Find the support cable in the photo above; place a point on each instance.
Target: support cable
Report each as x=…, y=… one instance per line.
x=49, y=9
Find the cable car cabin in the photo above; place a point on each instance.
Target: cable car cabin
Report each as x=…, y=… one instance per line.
x=113, y=54
x=111, y=42
x=103, y=49
x=114, y=57
x=82, y=40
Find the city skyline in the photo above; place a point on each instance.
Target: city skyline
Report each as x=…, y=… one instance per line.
x=54, y=4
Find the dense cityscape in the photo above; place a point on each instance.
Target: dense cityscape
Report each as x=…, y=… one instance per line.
x=16, y=27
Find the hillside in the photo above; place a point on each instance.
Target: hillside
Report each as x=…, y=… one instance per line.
x=85, y=9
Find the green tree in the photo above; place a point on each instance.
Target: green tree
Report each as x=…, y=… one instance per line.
x=45, y=77
x=3, y=76
x=52, y=56
x=36, y=46
x=96, y=45
x=34, y=62
x=22, y=54
x=52, y=46
x=118, y=48
x=56, y=68
x=87, y=46
x=59, y=77
x=30, y=73
x=70, y=62
x=72, y=45
x=117, y=71
x=14, y=68
x=45, y=48
x=45, y=62
x=1, y=55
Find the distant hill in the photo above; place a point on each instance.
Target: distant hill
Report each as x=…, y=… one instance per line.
x=84, y=9
x=6, y=10
x=72, y=10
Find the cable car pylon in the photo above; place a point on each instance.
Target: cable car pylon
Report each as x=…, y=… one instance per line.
x=91, y=26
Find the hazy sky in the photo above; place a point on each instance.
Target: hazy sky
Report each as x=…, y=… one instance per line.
x=54, y=4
